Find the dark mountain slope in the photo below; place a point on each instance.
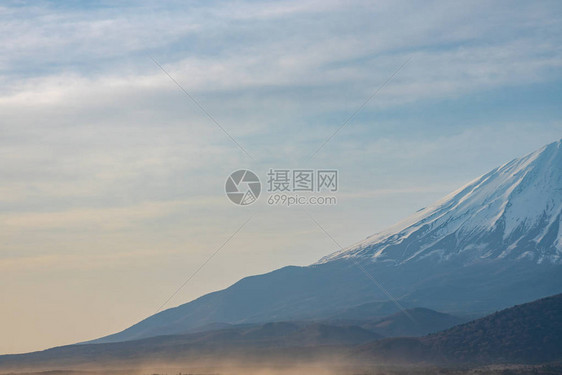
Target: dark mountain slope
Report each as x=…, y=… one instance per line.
x=529, y=333
x=417, y=322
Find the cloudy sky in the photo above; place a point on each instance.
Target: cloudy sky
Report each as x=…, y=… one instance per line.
x=112, y=179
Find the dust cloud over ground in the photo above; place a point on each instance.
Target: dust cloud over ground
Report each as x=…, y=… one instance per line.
x=325, y=368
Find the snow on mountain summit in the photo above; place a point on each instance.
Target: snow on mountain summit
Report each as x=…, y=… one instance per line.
x=511, y=212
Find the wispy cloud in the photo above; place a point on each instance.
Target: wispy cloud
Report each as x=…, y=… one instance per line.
x=62, y=262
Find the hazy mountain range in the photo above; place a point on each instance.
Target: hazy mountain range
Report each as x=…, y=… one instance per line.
x=493, y=243
x=529, y=333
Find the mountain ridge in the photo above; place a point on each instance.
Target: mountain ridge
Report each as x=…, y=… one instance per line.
x=510, y=207
x=530, y=333
x=493, y=243
x=526, y=333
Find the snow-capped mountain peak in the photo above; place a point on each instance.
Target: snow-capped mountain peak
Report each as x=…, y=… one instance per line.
x=511, y=212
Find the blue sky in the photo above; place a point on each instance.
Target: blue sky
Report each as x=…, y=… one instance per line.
x=111, y=180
